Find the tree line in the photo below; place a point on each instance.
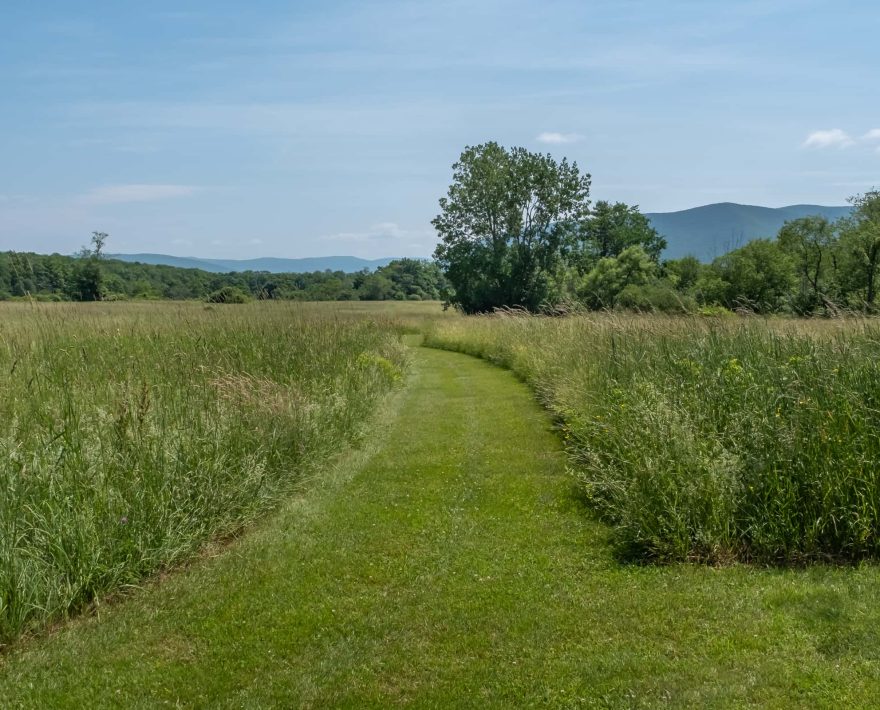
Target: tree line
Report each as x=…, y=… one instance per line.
x=89, y=276
x=517, y=229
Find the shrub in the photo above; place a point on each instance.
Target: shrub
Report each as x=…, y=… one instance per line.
x=715, y=312
x=656, y=296
x=228, y=294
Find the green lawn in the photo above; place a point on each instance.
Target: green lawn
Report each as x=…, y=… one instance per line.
x=449, y=564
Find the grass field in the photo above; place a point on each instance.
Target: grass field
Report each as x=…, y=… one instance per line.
x=132, y=434
x=451, y=559
x=709, y=439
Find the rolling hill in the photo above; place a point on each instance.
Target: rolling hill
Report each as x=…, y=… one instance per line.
x=705, y=232
x=711, y=230
x=348, y=264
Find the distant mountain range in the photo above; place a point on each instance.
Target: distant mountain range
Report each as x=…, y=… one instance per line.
x=348, y=264
x=705, y=232
x=712, y=230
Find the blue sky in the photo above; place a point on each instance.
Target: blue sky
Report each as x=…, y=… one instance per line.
x=231, y=129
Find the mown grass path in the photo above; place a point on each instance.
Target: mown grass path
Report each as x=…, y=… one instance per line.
x=449, y=565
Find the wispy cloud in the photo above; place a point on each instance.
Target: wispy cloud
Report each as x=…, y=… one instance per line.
x=864, y=185
x=390, y=231
x=833, y=138
x=286, y=118
x=135, y=144
x=872, y=135
x=122, y=194
x=554, y=138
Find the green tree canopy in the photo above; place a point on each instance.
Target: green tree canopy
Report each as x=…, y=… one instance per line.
x=683, y=273
x=810, y=242
x=758, y=276
x=612, y=228
x=505, y=224
x=87, y=282
x=860, y=247
x=602, y=286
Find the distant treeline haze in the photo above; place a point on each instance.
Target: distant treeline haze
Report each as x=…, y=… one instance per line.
x=89, y=277
x=548, y=246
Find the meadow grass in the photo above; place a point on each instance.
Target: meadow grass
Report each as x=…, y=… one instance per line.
x=708, y=439
x=444, y=561
x=130, y=434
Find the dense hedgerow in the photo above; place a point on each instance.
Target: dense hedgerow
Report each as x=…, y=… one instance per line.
x=705, y=439
x=131, y=434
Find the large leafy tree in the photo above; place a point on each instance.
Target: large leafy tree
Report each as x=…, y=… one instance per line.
x=683, y=273
x=758, y=276
x=631, y=268
x=506, y=224
x=88, y=276
x=860, y=247
x=810, y=242
x=613, y=228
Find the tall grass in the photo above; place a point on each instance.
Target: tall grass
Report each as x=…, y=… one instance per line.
x=704, y=439
x=131, y=434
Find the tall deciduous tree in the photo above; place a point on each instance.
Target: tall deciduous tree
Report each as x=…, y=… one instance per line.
x=506, y=224
x=758, y=276
x=810, y=242
x=860, y=245
x=632, y=267
x=612, y=228
x=88, y=276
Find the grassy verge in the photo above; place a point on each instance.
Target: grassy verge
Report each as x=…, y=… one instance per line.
x=449, y=565
x=709, y=440
x=131, y=434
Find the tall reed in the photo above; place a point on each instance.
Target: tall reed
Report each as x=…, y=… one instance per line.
x=131, y=434
x=708, y=439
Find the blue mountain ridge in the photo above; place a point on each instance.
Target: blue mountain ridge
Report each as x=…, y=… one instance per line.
x=712, y=230
x=704, y=232
x=348, y=264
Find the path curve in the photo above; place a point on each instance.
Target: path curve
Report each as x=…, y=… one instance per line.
x=425, y=576
x=448, y=564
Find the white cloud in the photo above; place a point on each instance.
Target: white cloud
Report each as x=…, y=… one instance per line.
x=872, y=135
x=833, y=138
x=383, y=231
x=388, y=229
x=555, y=138
x=121, y=194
